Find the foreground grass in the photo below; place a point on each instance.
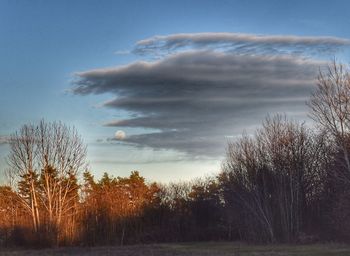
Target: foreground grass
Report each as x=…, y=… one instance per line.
x=195, y=249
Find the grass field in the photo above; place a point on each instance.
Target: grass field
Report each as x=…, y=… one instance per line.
x=195, y=249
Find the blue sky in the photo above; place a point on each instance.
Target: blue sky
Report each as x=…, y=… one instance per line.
x=44, y=43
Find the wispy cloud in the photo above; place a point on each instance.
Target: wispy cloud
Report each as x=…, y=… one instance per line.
x=241, y=44
x=4, y=139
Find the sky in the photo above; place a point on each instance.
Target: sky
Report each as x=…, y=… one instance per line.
x=162, y=86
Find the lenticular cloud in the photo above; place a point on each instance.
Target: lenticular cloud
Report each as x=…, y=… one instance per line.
x=197, y=95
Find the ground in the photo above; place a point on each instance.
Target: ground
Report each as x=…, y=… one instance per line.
x=194, y=249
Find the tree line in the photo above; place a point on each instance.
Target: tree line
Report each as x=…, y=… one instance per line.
x=288, y=182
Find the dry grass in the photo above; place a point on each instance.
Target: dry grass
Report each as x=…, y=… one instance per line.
x=195, y=249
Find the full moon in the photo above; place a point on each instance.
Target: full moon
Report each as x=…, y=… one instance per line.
x=120, y=135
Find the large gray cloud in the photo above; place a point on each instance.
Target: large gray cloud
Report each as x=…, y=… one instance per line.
x=241, y=43
x=196, y=99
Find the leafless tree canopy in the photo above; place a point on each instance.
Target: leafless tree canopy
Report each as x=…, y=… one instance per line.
x=44, y=161
x=330, y=102
x=330, y=109
x=272, y=177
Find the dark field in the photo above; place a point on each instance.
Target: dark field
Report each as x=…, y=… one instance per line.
x=195, y=249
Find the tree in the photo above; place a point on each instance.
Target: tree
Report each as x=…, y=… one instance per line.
x=23, y=168
x=330, y=108
x=114, y=208
x=270, y=178
x=45, y=160
x=11, y=213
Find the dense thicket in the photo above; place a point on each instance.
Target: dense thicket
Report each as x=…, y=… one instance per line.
x=286, y=183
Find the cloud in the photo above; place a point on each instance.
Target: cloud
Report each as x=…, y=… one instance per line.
x=4, y=139
x=241, y=44
x=195, y=100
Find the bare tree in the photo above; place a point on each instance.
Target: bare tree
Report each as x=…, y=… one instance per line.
x=330, y=107
x=44, y=161
x=23, y=166
x=61, y=155
x=269, y=177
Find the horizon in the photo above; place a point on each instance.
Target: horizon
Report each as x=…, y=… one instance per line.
x=161, y=87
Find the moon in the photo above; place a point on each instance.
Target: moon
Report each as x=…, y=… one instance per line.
x=120, y=135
